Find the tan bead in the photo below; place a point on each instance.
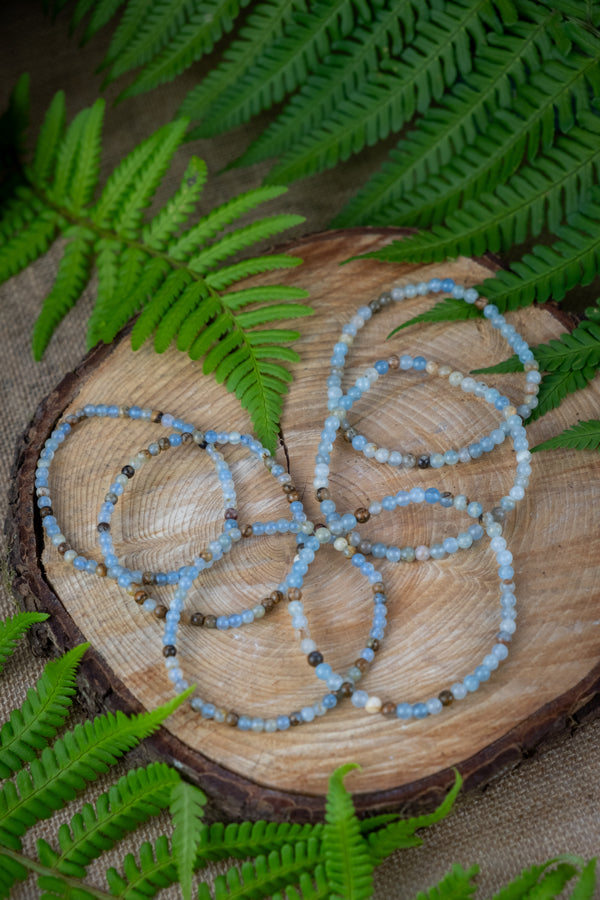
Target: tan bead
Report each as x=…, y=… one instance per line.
x=362, y=514
x=481, y=303
x=509, y=411
x=100, y=569
x=432, y=367
x=388, y=708
x=444, y=371
x=393, y=362
x=140, y=597
x=294, y=593
x=373, y=705
x=160, y=611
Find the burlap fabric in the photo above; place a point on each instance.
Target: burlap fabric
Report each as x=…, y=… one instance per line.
x=550, y=804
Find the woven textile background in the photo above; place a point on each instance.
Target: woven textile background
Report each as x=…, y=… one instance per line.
x=551, y=803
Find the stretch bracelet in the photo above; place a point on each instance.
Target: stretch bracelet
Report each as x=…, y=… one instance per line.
x=433, y=286
x=468, y=385
x=458, y=691
x=245, y=721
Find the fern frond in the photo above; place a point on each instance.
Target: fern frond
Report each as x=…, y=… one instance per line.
x=29, y=243
x=282, y=66
x=456, y=885
x=348, y=864
x=586, y=884
x=155, y=870
x=132, y=800
x=389, y=97
x=458, y=121
x=73, y=274
x=187, y=810
x=185, y=305
x=264, y=874
x=240, y=239
x=549, y=272
x=257, y=265
x=449, y=310
x=164, y=226
x=401, y=833
x=539, y=196
x=45, y=709
x=140, y=277
x=102, y=12
x=68, y=765
x=171, y=288
x=583, y=436
x=13, y=628
x=196, y=37
x=560, y=91
x=306, y=889
x=555, y=386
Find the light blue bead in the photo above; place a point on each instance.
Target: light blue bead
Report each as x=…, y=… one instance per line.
x=448, y=285
x=420, y=711
x=406, y=362
x=389, y=502
x=359, y=699
x=393, y=554
x=80, y=562
x=482, y=673
x=323, y=671
x=402, y=498
x=404, y=710
x=471, y=682
x=381, y=366
x=506, y=572
x=432, y=495
x=378, y=550
x=283, y=723
x=329, y=701
x=235, y=620
x=474, y=510
x=450, y=545
x=435, y=285
x=437, y=551
x=244, y=723
x=359, y=442
x=307, y=713
x=419, y=363
x=417, y=495
x=367, y=654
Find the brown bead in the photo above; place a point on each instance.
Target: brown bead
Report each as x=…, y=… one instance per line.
x=133, y=589
x=156, y=416
x=103, y=526
x=169, y=650
x=294, y=593
x=164, y=443
x=322, y=494
x=446, y=698
x=210, y=621
x=148, y=578
x=292, y=496
x=71, y=420
x=197, y=619
x=46, y=511
x=288, y=488
x=315, y=658
x=373, y=644
x=62, y=549
x=423, y=461
x=187, y=437
x=160, y=611
x=378, y=587
x=267, y=604
x=276, y=596
x=350, y=434
x=145, y=453
x=184, y=618
x=231, y=513
x=393, y=361
x=388, y=708
x=232, y=719
x=480, y=303
x=295, y=718
x=362, y=514
x=140, y=596
x=100, y=570
x=247, y=531
x=129, y=471
x=346, y=690
x=206, y=555
x=361, y=664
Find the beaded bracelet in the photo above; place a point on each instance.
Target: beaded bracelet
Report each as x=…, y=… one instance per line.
x=435, y=285
x=468, y=385
x=243, y=721
x=459, y=690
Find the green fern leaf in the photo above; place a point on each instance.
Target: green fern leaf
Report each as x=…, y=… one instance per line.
x=187, y=811
x=18, y=212
x=139, y=279
x=401, y=833
x=108, y=251
x=13, y=123
x=219, y=218
x=156, y=870
x=196, y=321
x=237, y=299
x=240, y=239
x=135, y=797
x=85, y=168
x=515, y=133
x=183, y=307
x=73, y=274
x=128, y=27
x=584, y=436
x=347, y=861
x=171, y=288
x=539, y=882
x=555, y=386
x=572, y=351
x=165, y=225
x=27, y=245
x=307, y=890
x=586, y=885
x=549, y=272
x=228, y=275
x=30, y=728
x=537, y=197
x=68, y=765
x=11, y=870
x=456, y=885
x=283, y=65
x=386, y=99
x=219, y=841
x=264, y=874
x=102, y=12
x=13, y=628
x=50, y=138
x=449, y=310
x=387, y=30
x=159, y=23
x=196, y=37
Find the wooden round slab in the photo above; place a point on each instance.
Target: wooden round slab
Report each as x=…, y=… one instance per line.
x=443, y=615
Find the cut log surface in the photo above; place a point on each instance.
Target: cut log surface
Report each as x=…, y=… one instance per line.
x=443, y=615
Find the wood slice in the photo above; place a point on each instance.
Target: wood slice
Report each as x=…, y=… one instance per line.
x=444, y=615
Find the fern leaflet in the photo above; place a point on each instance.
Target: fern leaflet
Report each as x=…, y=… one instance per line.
x=348, y=864
x=155, y=870
x=13, y=628
x=30, y=728
x=583, y=436
x=456, y=885
x=187, y=809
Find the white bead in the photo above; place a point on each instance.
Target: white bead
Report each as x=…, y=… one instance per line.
x=373, y=705
x=308, y=646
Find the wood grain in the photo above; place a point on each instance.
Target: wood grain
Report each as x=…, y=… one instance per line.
x=443, y=615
